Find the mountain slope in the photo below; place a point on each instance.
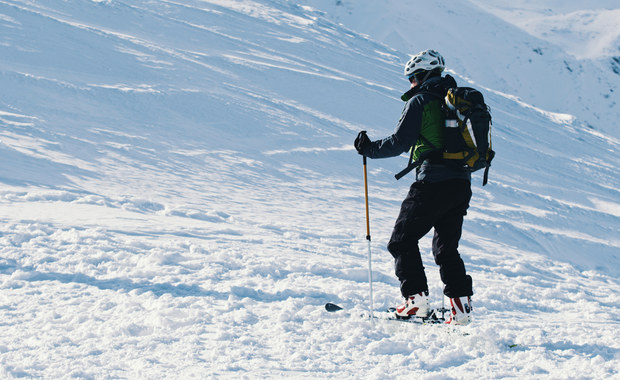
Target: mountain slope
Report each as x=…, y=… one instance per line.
x=180, y=197
x=560, y=56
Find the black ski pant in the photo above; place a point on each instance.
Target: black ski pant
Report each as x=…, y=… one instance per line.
x=442, y=206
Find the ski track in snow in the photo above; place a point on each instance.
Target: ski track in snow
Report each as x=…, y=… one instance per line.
x=180, y=198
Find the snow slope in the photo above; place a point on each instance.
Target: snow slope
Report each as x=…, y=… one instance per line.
x=580, y=29
x=179, y=198
x=535, y=50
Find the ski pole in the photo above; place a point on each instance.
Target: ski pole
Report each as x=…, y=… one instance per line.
x=368, y=237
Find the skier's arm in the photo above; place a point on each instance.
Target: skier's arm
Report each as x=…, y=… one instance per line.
x=405, y=135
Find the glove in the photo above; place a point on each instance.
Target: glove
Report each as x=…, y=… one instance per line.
x=362, y=143
x=479, y=164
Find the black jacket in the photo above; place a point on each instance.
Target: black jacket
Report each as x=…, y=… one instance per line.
x=408, y=131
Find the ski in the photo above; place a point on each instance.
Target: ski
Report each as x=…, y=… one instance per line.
x=331, y=307
x=435, y=316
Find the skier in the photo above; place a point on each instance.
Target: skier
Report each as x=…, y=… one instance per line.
x=439, y=198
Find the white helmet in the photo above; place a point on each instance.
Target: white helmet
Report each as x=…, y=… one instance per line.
x=426, y=60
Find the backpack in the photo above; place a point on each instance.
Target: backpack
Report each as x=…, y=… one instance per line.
x=467, y=133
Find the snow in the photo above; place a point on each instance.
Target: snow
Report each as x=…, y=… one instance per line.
x=180, y=195
x=563, y=47
x=578, y=28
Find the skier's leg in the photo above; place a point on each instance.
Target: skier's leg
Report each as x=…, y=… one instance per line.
x=413, y=222
x=448, y=231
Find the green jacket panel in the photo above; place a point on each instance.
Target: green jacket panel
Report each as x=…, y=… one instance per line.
x=431, y=131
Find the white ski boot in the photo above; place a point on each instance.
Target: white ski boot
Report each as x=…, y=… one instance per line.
x=460, y=311
x=415, y=305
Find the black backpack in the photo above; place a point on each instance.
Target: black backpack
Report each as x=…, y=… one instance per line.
x=467, y=133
